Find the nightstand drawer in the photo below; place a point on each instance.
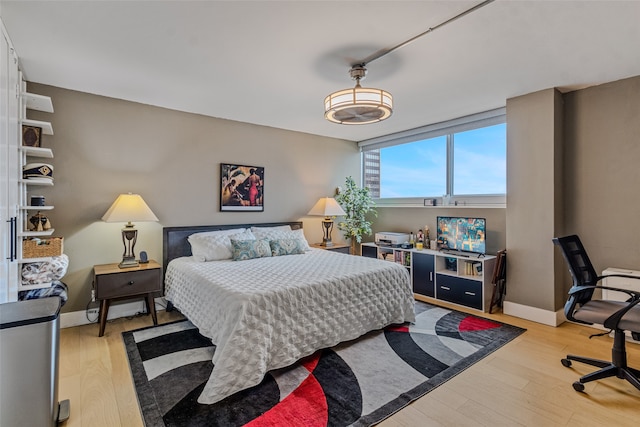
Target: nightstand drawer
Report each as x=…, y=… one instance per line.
x=125, y=284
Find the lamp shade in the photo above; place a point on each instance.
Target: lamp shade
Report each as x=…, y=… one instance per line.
x=129, y=207
x=327, y=206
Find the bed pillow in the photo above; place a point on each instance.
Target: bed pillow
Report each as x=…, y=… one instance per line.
x=274, y=228
x=250, y=249
x=218, y=232
x=286, y=247
x=216, y=246
x=271, y=234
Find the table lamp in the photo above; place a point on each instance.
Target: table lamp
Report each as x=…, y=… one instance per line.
x=129, y=207
x=327, y=207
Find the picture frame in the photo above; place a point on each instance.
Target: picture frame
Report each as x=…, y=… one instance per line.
x=31, y=136
x=477, y=268
x=241, y=188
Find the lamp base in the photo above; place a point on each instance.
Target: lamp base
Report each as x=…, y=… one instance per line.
x=326, y=243
x=128, y=263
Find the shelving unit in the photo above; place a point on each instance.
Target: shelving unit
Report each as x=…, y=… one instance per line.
x=458, y=278
x=30, y=101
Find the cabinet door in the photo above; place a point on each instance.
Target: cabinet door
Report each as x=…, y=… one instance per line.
x=9, y=197
x=460, y=291
x=369, y=251
x=423, y=274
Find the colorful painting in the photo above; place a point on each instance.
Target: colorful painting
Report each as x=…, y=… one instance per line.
x=242, y=188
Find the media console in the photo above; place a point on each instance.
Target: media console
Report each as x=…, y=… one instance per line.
x=463, y=279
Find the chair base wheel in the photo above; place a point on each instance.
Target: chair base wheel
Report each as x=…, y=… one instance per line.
x=578, y=386
x=566, y=363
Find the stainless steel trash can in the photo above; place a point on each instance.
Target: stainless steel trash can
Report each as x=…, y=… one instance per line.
x=29, y=348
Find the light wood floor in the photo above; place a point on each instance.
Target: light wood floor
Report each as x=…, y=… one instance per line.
x=523, y=383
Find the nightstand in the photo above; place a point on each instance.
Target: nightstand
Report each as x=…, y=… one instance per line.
x=112, y=282
x=337, y=247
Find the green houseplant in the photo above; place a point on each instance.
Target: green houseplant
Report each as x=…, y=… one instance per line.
x=357, y=203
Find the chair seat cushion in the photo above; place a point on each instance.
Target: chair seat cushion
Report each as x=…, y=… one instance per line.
x=597, y=311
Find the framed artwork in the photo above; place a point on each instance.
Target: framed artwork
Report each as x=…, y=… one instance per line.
x=241, y=188
x=31, y=136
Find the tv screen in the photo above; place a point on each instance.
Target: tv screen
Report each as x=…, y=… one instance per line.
x=462, y=234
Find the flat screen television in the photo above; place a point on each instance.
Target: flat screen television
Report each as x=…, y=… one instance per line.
x=462, y=234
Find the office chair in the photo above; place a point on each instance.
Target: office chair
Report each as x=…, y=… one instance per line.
x=619, y=316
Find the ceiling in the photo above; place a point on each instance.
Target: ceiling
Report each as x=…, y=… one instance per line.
x=272, y=62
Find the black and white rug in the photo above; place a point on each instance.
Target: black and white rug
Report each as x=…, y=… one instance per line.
x=358, y=383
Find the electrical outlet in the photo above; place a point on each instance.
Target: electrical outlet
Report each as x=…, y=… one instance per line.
x=93, y=295
x=93, y=311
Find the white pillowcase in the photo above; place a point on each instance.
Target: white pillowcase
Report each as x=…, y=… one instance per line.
x=274, y=233
x=276, y=227
x=218, y=232
x=216, y=245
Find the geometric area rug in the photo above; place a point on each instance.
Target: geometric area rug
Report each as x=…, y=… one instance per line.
x=359, y=383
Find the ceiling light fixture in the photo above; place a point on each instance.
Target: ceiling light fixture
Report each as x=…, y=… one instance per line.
x=363, y=105
x=360, y=105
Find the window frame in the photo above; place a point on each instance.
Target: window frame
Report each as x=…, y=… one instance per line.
x=448, y=129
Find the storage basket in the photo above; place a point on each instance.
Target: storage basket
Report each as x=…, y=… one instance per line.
x=37, y=248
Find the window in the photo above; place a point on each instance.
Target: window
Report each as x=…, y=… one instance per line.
x=461, y=162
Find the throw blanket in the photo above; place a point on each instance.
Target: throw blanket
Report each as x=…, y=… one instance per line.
x=267, y=313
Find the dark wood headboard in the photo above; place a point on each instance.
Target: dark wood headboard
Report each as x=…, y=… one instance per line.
x=175, y=243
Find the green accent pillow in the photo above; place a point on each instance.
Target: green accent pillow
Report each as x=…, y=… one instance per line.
x=249, y=249
x=286, y=247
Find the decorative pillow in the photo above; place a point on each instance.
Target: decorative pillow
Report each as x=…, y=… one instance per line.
x=249, y=249
x=215, y=247
x=286, y=247
x=271, y=234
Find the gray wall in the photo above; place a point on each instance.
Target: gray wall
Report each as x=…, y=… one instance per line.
x=572, y=169
x=103, y=147
x=602, y=171
x=533, y=181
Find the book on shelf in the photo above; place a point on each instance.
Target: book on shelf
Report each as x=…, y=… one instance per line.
x=473, y=268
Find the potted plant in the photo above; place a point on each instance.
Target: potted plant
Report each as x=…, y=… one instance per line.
x=357, y=203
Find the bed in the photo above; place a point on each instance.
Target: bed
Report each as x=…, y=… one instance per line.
x=266, y=313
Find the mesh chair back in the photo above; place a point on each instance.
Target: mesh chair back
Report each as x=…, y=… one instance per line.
x=580, y=267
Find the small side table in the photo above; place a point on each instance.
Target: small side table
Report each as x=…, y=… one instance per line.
x=112, y=282
x=336, y=247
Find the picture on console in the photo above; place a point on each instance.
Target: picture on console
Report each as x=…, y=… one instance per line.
x=462, y=234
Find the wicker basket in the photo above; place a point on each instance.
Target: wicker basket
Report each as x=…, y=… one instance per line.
x=37, y=248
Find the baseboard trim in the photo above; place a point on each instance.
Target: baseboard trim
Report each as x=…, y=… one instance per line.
x=78, y=318
x=546, y=317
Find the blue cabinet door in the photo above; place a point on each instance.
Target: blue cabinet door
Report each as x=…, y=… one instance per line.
x=423, y=274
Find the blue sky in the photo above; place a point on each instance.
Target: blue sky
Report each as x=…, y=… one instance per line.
x=419, y=169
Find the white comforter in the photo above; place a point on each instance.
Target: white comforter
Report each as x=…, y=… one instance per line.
x=267, y=313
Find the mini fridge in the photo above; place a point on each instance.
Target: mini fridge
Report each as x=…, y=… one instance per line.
x=29, y=347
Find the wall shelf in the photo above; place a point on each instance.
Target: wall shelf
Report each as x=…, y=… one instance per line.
x=47, y=129
x=36, y=181
x=36, y=233
x=36, y=286
x=36, y=208
x=37, y=102
x=45, y=153
x=30, y=260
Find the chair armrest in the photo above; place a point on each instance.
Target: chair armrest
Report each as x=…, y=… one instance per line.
x=633, y=294
x=613, y=320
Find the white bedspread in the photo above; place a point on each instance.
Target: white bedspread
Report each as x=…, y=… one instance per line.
x=267, y=313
